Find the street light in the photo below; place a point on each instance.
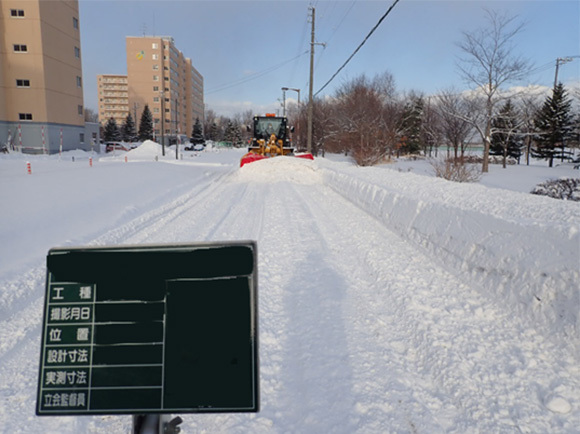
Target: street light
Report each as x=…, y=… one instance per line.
x=284, y=89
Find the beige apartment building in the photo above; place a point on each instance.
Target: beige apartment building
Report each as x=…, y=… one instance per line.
x=41, y=80
x=161, y=77
x=113, y=92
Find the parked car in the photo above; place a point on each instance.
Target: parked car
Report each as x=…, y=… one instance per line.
x=197, y=147
x=112, y=146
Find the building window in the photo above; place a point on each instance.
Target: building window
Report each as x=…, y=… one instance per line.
x=25, y=116
x=79, y=81
x=155, y=88
x=155, y=46
x=154, y=56
x=155, y=99
x=82, y=137
x=20, y=48
x=77, y=52
x=155, y=78
x=22, y=83
x=75, y=23
x=16, y=13
x=155, y=67
x=80, y=109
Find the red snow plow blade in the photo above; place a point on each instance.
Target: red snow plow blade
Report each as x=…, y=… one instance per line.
x=250, y=157
x=270, y=138
x=306, y=155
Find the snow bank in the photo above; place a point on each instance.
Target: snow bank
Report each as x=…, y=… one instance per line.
x=148, y=150
x=271, y=170
x=523, y=250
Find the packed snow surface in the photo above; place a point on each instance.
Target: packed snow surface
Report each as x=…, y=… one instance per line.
x=389, y=302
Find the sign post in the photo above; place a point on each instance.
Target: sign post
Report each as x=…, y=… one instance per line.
x=150, y=330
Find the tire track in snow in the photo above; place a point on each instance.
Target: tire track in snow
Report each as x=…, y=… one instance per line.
x=388, y=396
x=145, y=226
x=459, y=361
x=23, y=314
x=301, y=360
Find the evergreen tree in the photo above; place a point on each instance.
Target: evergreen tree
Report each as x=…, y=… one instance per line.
x=111, y=132
x=229, y=134
x=128, y=132
x=146, y=125
x=412, y=126
x=197, y=134
x=506, y=138
x=554, y=127
x=238, y=141
x=213, y=132
x=575, y=141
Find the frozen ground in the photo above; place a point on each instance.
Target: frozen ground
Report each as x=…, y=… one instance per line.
x=389, y=301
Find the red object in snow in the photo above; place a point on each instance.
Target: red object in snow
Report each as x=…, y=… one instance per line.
x=250, y=157
x=306, y=155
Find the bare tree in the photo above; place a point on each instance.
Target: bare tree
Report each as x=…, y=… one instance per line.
x=325, y=128
x=528, y=106
x=360, y=116
x=488, y=62
x=91, y=115
x=210, y=119
x=431, y=132
x=456, y=114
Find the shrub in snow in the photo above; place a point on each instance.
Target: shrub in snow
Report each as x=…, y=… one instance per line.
x=457, y=170
x=565, y=188
x=499, y=160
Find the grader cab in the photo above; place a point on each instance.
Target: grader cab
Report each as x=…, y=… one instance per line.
x=270, y=138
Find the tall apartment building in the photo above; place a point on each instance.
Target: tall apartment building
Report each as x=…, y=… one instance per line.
x=160, y=76
x=113, y=92
x=41, y=84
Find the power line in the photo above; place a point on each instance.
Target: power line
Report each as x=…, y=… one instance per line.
x=253, y=76
x=359, y=47
x=341, y=21
x=300, y=46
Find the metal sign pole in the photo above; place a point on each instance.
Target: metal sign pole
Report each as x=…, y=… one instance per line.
x=155, y=424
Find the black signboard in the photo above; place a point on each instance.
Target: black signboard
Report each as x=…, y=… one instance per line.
x=150, y=329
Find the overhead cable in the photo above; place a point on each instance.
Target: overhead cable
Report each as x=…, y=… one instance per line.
x=253, y=76
x=359, y=47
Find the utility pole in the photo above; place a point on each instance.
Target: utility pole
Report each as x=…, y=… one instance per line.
x=162, y=123
x=310, y=87
x=561, y=61
x=177, y=139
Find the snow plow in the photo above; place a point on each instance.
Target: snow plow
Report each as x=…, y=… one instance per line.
x=270, y=138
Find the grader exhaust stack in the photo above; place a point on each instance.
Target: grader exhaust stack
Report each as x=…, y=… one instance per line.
x=271, y=138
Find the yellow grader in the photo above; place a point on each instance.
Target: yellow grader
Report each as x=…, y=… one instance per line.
x=270, y=138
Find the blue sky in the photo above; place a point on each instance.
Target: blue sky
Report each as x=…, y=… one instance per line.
x=248, y=50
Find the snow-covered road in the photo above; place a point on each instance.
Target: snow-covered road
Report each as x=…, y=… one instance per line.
x=360, y=330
